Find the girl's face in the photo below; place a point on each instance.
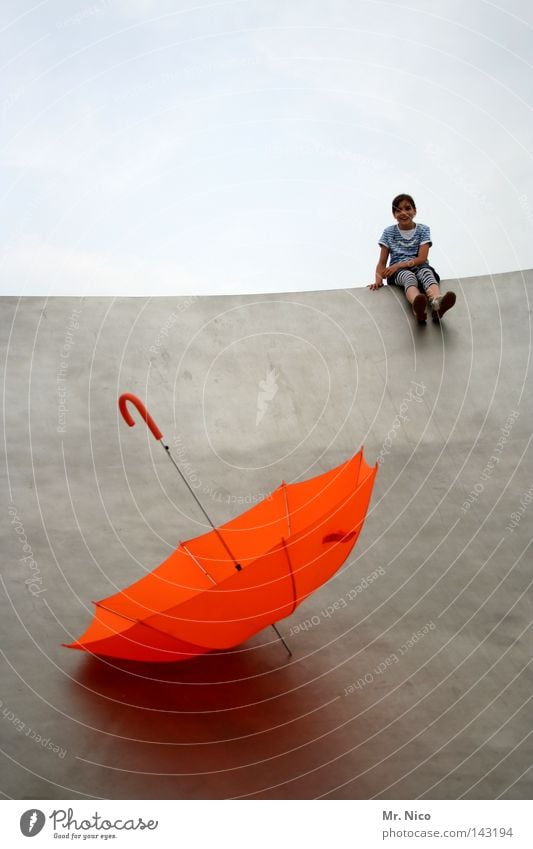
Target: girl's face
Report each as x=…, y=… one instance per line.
x=404, y=215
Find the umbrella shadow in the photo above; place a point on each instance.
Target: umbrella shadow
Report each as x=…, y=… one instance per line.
x=247, y=721
x=149, y=696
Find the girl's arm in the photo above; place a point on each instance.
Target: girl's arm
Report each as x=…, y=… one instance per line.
x=423, y=252
x=380, y=268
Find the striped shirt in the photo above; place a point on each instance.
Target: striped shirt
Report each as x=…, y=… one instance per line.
x=402, y=249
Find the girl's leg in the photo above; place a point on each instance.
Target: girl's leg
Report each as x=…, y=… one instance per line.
x=412, y=292
x=408, y=280
x=433, y=291
x=426, y=279
x=439, y=303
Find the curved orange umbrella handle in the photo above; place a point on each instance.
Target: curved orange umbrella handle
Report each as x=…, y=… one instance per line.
x=122, y=404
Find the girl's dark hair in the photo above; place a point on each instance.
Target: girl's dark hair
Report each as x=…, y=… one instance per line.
x=399, y=198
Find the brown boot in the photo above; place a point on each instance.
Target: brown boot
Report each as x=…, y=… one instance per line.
x=441, y=305
x=419, y=308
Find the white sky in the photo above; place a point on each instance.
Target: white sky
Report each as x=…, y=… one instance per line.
x=157, y=147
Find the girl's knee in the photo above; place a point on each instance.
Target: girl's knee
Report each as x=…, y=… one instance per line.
x=406, y=279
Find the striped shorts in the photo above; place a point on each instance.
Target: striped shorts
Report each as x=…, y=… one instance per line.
x=422, y=277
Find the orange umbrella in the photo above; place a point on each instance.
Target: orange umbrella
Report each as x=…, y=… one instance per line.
x=218, y=589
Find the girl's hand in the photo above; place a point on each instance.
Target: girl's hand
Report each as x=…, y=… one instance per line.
x=377, y=285
x=392, y=269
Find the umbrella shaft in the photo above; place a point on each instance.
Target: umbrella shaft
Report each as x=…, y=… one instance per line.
x=282, y=640
x=200, y=505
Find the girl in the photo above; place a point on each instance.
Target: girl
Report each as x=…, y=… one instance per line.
x=408, y=246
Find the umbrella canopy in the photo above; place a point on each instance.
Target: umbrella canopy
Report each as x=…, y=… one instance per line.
x=218, y=589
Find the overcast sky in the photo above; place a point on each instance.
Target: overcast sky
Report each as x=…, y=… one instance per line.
x=154, y=147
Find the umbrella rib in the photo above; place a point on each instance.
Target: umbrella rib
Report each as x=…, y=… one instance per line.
x=122, y=615
x=182, y=545
x=287, y=507
x=291, y=574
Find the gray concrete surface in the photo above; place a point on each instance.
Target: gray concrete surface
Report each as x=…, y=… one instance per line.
x=362, y=709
